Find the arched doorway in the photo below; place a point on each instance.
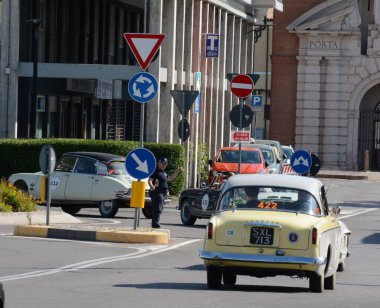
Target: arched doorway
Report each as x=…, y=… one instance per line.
x=369, y=129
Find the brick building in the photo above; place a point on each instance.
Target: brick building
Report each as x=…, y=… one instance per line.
x=326, y=80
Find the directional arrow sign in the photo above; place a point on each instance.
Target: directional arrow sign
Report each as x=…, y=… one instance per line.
x=144, y=46
x=301, y=161
x=143, y=87
x=184, y=100
x=241, y=86
x=140, y=163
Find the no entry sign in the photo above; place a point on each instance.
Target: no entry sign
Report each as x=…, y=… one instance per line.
x=241, y=86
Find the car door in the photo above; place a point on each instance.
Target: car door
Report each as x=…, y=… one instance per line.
x=60, y=177
x=81, y=180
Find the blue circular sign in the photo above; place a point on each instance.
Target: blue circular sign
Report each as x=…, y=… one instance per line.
x=143, y=87
x=140, y=163
x=301, y=161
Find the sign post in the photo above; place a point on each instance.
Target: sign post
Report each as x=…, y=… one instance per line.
x=140, y=164
x=242, y=87
x=47, y=160
x=143, y=87
x=184, y=100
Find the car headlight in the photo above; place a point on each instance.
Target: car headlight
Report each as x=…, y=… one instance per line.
x=261, y=171
x=272, y=170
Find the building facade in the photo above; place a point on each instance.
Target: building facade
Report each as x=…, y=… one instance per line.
x=326, y=70
x=65, y=67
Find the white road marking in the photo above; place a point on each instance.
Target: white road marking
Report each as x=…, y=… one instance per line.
x=140, y=253
x=357, y=213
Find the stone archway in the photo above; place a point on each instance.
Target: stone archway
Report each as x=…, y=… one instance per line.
x=361, y=122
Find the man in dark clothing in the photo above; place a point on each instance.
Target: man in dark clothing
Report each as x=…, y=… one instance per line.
x=158, y=183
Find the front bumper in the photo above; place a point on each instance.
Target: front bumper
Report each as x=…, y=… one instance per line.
x=271, y=259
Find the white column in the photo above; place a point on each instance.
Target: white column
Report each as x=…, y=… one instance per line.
x=169, y=17
x=222, y=78
x=10, y=36
x=153, y=107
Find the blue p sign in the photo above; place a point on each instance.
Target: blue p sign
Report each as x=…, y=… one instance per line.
x=257, y=102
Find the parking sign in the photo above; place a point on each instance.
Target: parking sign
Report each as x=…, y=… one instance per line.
x=257, y=102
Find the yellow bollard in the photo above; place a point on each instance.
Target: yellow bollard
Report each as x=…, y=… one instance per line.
x=138, y=194
x=43, y=189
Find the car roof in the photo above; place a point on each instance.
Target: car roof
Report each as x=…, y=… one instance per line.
x=96, y=155
x=256, y=146
x=237, y=149
x=277, y=180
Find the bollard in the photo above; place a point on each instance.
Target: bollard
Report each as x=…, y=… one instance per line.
x=366, y=160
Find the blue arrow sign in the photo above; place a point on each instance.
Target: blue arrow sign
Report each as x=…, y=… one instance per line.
x=140, y=163
x=143, y=87
x=301, y=161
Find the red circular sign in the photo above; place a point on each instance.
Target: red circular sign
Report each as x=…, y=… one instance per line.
x=241, y=85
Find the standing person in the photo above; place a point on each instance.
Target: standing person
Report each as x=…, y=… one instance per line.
x=158, y=183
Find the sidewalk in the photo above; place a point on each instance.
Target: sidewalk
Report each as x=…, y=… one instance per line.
x=65, y=226
x=349, y=175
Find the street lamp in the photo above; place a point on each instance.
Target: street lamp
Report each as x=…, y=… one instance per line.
x=32, y=121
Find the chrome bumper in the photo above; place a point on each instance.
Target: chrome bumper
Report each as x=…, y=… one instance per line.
x=221, y=256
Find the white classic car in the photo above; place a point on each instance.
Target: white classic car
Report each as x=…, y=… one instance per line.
x=269, y=225
x=83, y=180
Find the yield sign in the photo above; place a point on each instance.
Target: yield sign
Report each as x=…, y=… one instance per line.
x=144, y=46
x=241, y=86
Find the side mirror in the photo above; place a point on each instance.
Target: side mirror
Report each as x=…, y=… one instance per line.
x=210, y=162
x=284, y=156
x=203, y=184
x=266, y=164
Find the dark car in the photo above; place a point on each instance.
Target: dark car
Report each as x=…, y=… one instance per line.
x=200, y=202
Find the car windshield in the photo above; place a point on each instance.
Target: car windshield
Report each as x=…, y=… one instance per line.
x=116, y=168
x=288, y=152
x=268, y=155
x=260, y=198
x=232, y=156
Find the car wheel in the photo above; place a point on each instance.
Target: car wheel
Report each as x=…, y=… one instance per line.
x=147, y=211
x=330, y=282
x=186, y=217
x=108, y=208
x=316, y=283
x=71, y=209
x=229, y=279
x=214, y=278
x=341, y=266
x=21, y=185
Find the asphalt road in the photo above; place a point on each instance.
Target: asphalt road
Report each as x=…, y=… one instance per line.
x=58, y=273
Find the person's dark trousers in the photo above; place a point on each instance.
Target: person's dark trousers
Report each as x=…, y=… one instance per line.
x=158, y=200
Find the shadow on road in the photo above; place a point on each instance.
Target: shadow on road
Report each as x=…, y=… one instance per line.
x=372, y=239
x=203, y=286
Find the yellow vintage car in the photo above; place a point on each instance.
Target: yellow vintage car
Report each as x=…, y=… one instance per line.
x=269, y=225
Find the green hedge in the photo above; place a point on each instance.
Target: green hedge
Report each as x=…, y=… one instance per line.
x=21, y=155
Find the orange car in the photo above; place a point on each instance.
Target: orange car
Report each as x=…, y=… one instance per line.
x=227, y=159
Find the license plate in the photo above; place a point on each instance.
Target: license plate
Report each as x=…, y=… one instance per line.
x=261, y=236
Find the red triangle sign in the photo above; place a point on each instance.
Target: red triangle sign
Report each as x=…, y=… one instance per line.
x=144, y=46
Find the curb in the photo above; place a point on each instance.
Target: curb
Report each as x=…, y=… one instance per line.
x=136, y=236
x=342, y=176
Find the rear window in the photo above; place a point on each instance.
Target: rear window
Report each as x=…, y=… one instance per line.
x=260, y=198
x=116, y=168
x=232, y=156
x=288, y=152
